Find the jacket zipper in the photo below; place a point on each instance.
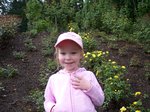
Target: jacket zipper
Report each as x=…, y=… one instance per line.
x=71, y=96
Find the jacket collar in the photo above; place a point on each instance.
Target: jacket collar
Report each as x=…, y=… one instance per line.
x=74, y=72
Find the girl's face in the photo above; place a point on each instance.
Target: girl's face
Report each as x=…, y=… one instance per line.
x=69, y=55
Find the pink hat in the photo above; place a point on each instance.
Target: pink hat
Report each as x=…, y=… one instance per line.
x=70, y=36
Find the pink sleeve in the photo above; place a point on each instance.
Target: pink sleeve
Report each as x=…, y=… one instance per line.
x=49, y=102
x=95, y=92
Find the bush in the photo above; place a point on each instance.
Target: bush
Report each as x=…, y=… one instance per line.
x=89, y=42
x=109, y=74
x=8, y=27
x=9, y=24
x=8, y=72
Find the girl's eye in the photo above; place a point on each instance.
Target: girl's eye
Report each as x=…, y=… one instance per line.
x=63, y=53
x=73, y=52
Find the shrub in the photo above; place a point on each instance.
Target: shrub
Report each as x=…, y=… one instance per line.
x=8, y=72
x=37, y=96
x=8, y=27
x=48, y=45
x=19, y=55
x=89, y=42
x=109, y=74
x=142, y=33
x=29, y=45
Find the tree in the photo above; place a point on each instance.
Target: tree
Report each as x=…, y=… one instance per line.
x=4, y=6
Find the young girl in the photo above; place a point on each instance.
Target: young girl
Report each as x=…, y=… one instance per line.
x=72, y=89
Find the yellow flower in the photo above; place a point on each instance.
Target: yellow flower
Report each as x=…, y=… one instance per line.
x=71, y=29
x=85, y=56
x=99, y=54
x=88, y=53
x=93, y=55
x=134, y=103
x=110, y=78
x=123, y=67
x=109, y=60
x=116, y=77
x=137, y=93
x=107, y=52
x=123, y=109
x=138, y=111
x=113, y=62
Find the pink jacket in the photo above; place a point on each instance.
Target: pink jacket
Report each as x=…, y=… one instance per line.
x=60, y=93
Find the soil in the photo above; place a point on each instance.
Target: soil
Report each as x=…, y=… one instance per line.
x=13, y=98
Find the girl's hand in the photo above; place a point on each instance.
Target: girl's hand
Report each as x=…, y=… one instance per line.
x=79, y=82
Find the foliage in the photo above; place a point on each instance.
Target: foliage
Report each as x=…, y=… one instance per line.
x=29, y=45
x=112, y=45
x=123, y=50
x=73, y=27
x=18, y=8
x=8, y=72
x=94, y=59
x=89, y=42
x=109, y=74
x=49, y=69
x=1, y=87
x=141, y=33
x=37, y=97
x=47, y=48
x=120, y=18
x=115, y=85
x=143, y=7
x=4, y=6
x=89, y=17
x=19, y=55
x=115, y=23
x=34, y=16
x=135, y=106
x=9, y=26
x=51, y=65
x=135, y=61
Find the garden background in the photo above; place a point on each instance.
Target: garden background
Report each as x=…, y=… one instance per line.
x=116, y=36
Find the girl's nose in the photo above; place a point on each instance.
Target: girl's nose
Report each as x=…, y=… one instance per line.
x=68, y=56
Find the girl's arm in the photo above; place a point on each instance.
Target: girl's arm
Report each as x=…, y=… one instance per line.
x=95, y=92
x=49, y=102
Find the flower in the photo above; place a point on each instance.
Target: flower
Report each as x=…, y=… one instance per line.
x=90, y=60
x=113, y=62
x=123, y=67
x=138, y=111
x=137, y=93
x=123, y=109
x=93, y=55
x=116, y=77
x=99, y=54
x=107, y=52
x=109, y=60
x=134, y=103
x=110, y=78
x=88, y=53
